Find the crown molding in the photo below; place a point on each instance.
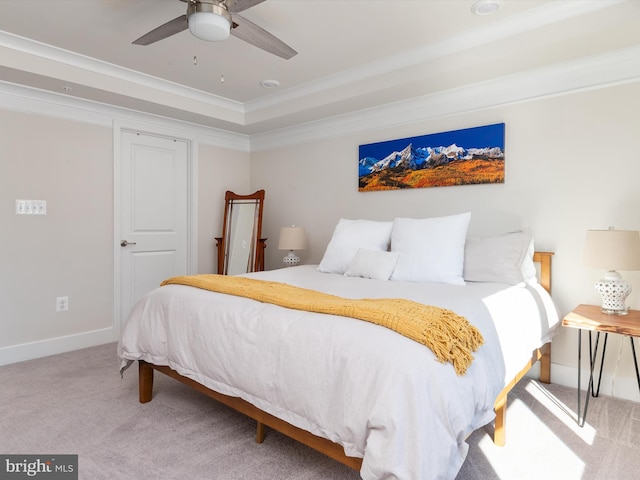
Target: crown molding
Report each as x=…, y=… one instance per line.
x=41, y=102
x=66, y=57
x=597, y=71
x=40, y=58
x=518, y=24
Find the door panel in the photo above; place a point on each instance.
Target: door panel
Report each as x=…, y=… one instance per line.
x=154, y=213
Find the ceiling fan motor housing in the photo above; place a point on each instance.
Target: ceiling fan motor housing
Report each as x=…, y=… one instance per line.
x=210, y=21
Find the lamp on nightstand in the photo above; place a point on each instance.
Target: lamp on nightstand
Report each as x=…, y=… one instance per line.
x=292, y=238
x=613, y=250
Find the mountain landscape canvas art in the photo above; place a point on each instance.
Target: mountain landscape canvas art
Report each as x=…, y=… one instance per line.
x=458, y=157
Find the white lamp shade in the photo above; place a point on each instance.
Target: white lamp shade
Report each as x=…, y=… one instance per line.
x=209, y=26
x=292, y=238
x=612, y=249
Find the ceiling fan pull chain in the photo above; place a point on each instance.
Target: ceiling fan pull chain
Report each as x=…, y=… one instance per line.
x=222, y=78
x=195, y=60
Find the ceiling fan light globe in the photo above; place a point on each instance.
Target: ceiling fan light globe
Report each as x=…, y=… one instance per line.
x=209, y=26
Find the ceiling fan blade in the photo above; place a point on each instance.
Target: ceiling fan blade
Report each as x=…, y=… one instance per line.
x=172, y=27
x=235, y=6
x=255, y=35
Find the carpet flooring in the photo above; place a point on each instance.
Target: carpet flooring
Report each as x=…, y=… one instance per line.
x=76, y=403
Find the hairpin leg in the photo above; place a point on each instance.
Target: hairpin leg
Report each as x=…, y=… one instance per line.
x=593, y=353
x=635, y=361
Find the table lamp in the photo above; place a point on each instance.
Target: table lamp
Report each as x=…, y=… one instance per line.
x=613, y=250
x=292, y=238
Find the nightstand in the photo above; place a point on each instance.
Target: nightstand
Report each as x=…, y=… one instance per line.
x=591, y=318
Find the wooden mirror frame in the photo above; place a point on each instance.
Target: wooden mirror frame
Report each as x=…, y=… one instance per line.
x=256, y=255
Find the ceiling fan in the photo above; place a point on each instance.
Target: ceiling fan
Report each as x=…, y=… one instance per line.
x=214, y=20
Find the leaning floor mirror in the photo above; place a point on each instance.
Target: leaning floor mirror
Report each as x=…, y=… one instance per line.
x=241, y=248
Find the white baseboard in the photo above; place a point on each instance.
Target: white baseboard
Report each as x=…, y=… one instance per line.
x=619, y=387
x=52, y=346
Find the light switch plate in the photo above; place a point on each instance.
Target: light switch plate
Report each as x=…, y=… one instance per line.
x=31, y=207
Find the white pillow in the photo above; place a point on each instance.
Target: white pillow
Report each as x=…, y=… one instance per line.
x=529, y=270
x=348, y=237
x=374, y=264
x=431, y=249
x=506, y=258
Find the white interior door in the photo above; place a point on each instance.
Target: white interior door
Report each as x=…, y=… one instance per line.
x=154, y=214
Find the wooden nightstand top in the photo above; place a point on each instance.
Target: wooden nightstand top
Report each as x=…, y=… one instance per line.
x=589, y=317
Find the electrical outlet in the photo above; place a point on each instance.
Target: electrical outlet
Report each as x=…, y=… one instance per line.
x=62, y=304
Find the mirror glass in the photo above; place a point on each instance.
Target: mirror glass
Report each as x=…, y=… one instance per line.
x=240, y=248
x=241, y=233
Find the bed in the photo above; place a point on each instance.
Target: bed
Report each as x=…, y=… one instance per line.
x=361, y=393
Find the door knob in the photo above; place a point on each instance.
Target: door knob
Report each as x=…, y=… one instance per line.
x=124, y=243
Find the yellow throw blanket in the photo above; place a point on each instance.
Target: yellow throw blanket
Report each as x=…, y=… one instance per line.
x=451, y=337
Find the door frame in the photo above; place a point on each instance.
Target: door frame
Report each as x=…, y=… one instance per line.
x=120, y=126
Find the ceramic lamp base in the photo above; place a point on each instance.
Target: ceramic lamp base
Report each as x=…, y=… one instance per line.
x=291, y=260
x=613, y=293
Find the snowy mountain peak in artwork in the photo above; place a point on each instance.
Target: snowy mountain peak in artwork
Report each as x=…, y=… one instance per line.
x=411, y=158
x=467, y=156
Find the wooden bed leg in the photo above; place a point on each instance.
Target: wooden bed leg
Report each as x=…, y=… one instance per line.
x=545, y=364
x=261, y=431
x=145, y=381
x=499, y=432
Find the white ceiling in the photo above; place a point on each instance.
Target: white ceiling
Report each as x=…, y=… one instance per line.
x=352, y=54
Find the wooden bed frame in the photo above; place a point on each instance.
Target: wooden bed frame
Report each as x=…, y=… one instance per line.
x=327, y=447
x=543, y=354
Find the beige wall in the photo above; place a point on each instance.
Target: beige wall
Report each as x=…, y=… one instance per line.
x=68, y=252
x=572, y=164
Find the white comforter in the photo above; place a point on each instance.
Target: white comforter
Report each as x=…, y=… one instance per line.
x=382, y=396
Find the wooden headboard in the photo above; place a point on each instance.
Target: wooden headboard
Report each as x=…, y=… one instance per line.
x=544, y=259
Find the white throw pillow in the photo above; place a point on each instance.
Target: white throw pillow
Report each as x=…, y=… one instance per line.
x=374, y=264
x=505, y=258
x=431, y=249
x=348, y=237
